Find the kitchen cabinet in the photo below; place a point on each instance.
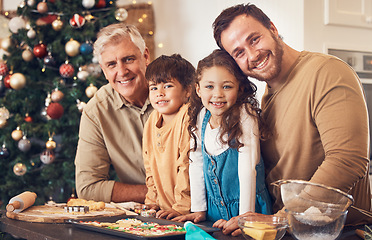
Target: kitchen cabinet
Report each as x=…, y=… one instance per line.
x=355, y=13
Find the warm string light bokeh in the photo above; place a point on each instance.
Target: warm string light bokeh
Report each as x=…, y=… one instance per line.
x=142, y=16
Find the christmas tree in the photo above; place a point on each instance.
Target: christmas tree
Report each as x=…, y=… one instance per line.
x=47, y=76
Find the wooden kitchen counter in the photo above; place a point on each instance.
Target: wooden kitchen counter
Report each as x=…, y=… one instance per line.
x=65, y=231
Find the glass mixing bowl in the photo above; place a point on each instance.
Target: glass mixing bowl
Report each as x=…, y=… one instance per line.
x=314, y=211
x=316, y=223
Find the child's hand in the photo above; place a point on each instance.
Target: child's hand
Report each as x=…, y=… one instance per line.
x=152, y=206
x=194, y=217
x=167, y=214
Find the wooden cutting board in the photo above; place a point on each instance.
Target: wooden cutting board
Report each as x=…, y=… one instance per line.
x=57, y=214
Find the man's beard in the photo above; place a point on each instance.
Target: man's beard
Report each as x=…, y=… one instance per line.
x=276, y=65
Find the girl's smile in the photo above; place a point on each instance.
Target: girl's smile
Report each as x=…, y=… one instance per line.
x=218, y=90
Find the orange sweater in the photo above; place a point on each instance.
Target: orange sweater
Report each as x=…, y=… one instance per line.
x=165, y=154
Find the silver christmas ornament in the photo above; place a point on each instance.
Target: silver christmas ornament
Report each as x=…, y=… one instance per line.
x=31, y=34
x=88, y=3
x=47, y=156
x=82, y=75
x=24, y=144
x=16, y=23
x=121, y=14
x=31, y=3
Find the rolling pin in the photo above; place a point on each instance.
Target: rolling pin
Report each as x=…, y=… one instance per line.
x=21, y=202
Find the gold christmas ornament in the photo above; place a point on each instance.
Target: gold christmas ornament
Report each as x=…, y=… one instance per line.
x=89, y=17
x=72, y=48
x=27, y=55
x=42, y=7
x=3, y=122
x=4, y=113
x=50, y=144
x=57, y=24
x=57, y=95
x=17, y=134
x=91, y=90
x=19, y=169
x=28, y=24
x=6, y=43
x=80, y=105
x=17, y=81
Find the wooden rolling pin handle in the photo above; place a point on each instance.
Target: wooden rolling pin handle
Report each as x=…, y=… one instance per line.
x=13, y=206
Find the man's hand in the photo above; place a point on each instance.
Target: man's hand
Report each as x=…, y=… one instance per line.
x=194, y=217
x=231, y=226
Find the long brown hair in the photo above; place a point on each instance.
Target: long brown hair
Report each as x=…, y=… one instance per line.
x=230, y=124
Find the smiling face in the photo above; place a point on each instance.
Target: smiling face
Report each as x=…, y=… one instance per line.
x=256, y=49
x=124, y=67
x=167, y=97
x=218, y=90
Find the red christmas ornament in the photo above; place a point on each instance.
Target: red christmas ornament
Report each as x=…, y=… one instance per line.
x=101, y=4
x=46, y=19
x=28, y=118
x=6, y=81
x=40, y=50
x=3, y=69
x=72, y=197
x=55, y=110
x=66, y=70
x=77, y=21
